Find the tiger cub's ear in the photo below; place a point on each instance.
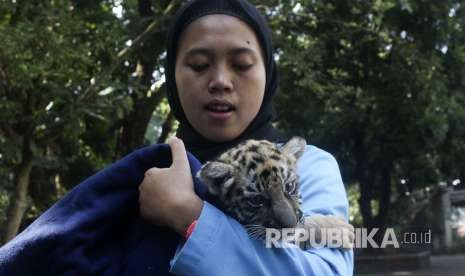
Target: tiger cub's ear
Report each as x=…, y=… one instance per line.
x=296, y=146
x=218, y=177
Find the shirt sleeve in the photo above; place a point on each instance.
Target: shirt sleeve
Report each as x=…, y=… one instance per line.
x=219, y=245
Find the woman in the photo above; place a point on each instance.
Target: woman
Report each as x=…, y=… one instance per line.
x=221, y=78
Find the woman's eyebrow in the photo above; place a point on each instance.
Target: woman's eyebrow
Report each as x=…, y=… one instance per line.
x=241, y=50
x=209, y=52
x=199, y=51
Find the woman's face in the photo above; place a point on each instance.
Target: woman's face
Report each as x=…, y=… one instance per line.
x=220, y=76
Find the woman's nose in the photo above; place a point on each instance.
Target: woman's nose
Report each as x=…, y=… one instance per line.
x=220, y=81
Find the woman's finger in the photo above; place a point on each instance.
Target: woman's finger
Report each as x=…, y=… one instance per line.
x=179, y=155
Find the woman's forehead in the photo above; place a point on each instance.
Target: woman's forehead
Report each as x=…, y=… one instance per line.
x=218, y=31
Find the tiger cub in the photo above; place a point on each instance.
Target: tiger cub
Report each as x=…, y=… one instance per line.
x=256, y=183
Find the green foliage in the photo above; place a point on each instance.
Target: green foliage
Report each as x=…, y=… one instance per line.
x=50, y=55
x=154, y=128
x=370, y=81
x=355, y=217
x=4, y=201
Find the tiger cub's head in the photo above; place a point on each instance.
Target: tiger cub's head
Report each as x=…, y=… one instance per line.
x=256, y=182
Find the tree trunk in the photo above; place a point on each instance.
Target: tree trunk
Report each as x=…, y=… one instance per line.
x=166, y=128
x=384, y=198
x=363, y=174
x=135, y=123
x=384, y=204
x=366, y=196
x=18, y=202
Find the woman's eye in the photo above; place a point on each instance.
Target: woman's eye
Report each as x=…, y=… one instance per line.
x=256, y=201
x=198, y=67
x=290, y=187
x=243, y=67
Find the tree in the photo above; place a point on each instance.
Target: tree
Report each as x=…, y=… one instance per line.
x=49, y=56
x=149, y=26
x=374, y=73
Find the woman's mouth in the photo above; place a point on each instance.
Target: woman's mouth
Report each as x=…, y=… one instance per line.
x=219, y=110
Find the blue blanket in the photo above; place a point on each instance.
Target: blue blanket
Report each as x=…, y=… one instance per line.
x=96, y=228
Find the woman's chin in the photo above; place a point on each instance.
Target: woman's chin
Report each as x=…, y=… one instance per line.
x=220, y=135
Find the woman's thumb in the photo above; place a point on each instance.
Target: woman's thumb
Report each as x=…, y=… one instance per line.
x=178, y=153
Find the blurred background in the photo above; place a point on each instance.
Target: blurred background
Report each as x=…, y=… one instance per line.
x=378, y=83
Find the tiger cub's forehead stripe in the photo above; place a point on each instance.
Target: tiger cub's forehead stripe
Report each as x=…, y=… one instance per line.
x=265, y=174
x=258, y=159
x=253, y=148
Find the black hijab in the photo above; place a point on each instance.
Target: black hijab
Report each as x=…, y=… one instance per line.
x=260, y=127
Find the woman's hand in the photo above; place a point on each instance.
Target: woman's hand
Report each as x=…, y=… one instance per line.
x=167, y=196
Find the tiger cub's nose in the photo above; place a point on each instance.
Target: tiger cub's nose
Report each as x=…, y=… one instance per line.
x=284, y=214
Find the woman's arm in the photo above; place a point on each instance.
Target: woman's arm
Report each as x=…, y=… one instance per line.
x=219, y=245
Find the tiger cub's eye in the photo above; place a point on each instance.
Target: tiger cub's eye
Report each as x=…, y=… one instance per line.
x=290, y=187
